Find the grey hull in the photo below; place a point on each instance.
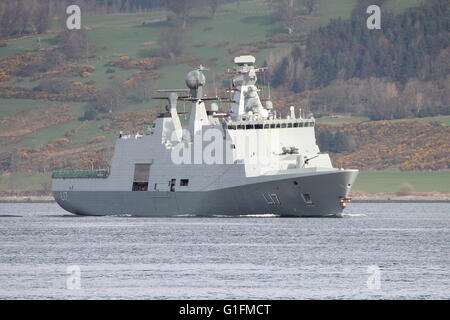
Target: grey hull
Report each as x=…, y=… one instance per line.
x=284, y=197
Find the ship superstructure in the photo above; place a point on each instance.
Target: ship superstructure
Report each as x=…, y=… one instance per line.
x=245, y=161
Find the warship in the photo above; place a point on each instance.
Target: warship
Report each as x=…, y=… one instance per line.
x=246, y=160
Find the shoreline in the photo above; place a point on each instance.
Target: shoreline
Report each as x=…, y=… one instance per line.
x=399, y=201
x=27, y=199
x=366, y=198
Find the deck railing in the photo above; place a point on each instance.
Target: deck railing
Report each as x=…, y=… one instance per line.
x=85, y=174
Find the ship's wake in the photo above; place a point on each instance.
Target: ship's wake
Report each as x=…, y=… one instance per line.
x=344, y=215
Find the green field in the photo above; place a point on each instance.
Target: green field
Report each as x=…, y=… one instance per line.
x=90, y=130
x=25, y=181
x=392, y=180
x=371, y=182
x=398, y=6
x=340, y=120
x=10, y=107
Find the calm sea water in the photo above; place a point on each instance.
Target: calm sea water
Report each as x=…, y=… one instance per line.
x=389, y=251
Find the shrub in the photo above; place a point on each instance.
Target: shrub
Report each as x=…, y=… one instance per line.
x=89, y=68
x=98, y=139
x=112, y=97
x=60, y=141
x=23, y=155
x=405, y=189
x=89, y=114
x=54, y=85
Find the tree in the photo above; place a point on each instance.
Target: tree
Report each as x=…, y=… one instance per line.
x=284, y=11
x=213, y=6
x=173, y=41
x=343, y=142
x=279, y=73
x=13, y=18
x=325, y=140
x=142, y=89
x=41, y=17
x=112, y=97
x=54, y=85
x=181, y=9
x=24, y=17
x=75, y=44
x=310, y=5
x=90, y=113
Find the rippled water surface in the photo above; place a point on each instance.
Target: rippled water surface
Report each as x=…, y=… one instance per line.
x=389, y=251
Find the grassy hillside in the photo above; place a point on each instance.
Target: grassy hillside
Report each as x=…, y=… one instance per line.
x=211, y=41
x=393, y=180
x=137, y=36
x=398, y=6
x=19, y=181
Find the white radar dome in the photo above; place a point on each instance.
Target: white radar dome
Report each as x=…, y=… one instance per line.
x=195, y=79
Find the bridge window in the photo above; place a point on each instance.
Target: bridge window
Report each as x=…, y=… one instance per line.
x=240, y=127
x=266, y=126
x=232, y=127
x=301, y=124
x=272, y=125
x=289, y=125
x=184, y=182
x=296, y=125
x=278, y=125
x=258, y=126
x=283, y=125
x=249, y=126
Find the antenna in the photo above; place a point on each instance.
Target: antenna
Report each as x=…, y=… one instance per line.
x=263, y=82
x=214, y=83
x=231, y=87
